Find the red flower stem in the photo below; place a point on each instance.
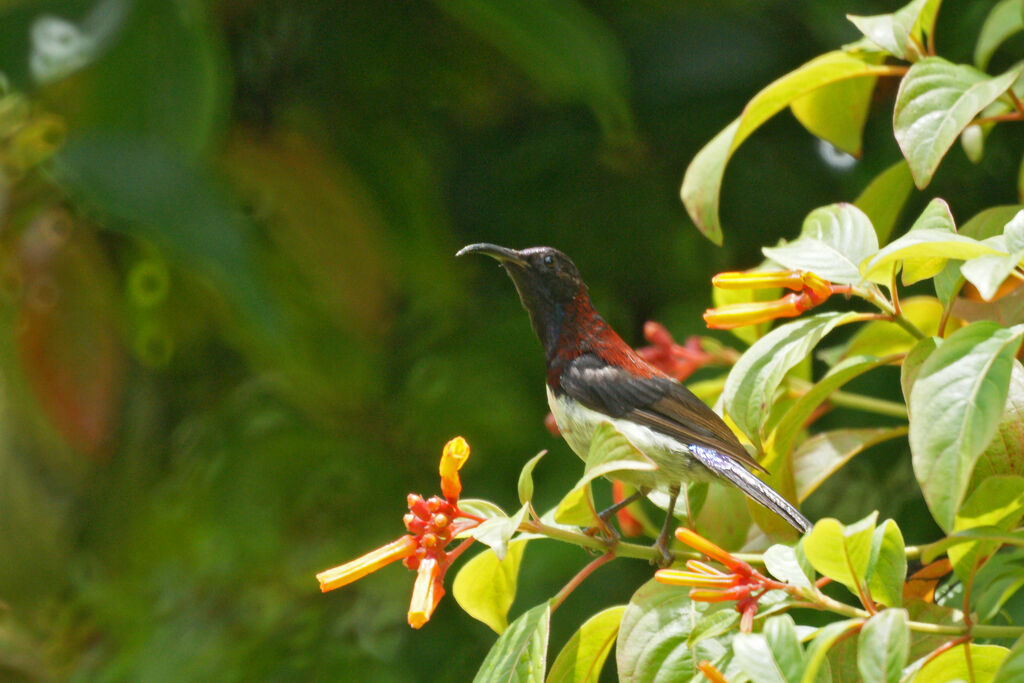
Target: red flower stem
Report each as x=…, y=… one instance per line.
x=468, y=515
x=580, y=577
x=948, y=645
x=459, y=549
x=894, y=288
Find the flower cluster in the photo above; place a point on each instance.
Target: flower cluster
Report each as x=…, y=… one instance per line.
x=741, y=583
x=809, y=291
x=432, y=524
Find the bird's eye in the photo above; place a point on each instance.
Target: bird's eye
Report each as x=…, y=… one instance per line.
x=548, y=260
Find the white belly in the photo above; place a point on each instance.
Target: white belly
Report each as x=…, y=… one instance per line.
x=675, y=464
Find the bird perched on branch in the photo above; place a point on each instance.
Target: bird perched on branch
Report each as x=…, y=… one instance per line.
x=593, y=376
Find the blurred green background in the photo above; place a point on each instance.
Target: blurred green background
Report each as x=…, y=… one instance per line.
x=234, y=335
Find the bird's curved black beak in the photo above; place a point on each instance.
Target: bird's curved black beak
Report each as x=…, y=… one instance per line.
x=502, y=254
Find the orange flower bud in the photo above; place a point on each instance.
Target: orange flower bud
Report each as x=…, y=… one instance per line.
x=426, y=593
x=728, y=595
x=676, y=577
x=703, y=545
x=702, y=568
x=818, y=288
x=710, y=672
x=738, y=315
x=790, y=279
x=368, y=563
x=453, y=457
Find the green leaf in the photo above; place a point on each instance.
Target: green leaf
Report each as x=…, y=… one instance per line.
x=820, y=456
x=165, y=79
x=1012, y=668
x=1003, y=21
x=610, y=452
x=824, y=639
x=981, y=533
x=161, y=197
x=480, y=508
x=496, y=531
x=913, y=362
x=656, y=626
x=888, y=570
x=755, y=658
x=782, y=562
x=837, y=112
x=576, y=508
x=884, y=197
x=952, y=664
x=841, y=553
x=703, y=180
x=885, y=338
x=883, y=646
x=955, y=405
x=751, y=385
x=833, y=242
x=1013, y=231
x=485, y=586
x=988, y=272
x=997, y=502
x=924, y=250
x=563, y=47
x=520, y=654
x=526, y=478
x=785, y=432
x=784, y=644
x=901, y=33
x=713, y=624
x=999, y=580
x=936, y=101
x=581, y=659
x=990, y=222
x=1005, y=453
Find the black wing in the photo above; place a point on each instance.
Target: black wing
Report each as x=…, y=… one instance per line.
x=658, y=402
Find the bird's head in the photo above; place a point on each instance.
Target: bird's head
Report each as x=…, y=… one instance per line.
x=547, y=281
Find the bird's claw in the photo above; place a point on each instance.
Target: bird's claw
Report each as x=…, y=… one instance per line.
x=667, y=558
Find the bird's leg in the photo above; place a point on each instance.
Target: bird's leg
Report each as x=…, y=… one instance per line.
x=666, y=530
x=607, y=513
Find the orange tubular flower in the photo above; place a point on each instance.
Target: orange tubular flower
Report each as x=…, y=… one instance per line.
x=367, y=564
x=744, y=584
x=710, y=672
x=809, y=290
x=455, y=454
x=426, y=592
x=433, y=524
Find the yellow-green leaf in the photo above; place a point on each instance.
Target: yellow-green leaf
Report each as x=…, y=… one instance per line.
x=485, y=586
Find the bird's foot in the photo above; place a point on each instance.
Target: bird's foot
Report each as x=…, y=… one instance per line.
x=605, y=532
x=661, y=545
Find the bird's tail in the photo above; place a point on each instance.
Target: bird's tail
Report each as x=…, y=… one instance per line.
x=764, y=494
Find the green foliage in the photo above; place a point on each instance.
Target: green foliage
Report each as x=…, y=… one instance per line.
x=485, y=586
x=957, y=367
x=234, y=329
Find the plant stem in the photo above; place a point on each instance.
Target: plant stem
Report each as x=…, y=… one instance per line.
x=868, y=404
x=622, y=549
x=893, y=314
x=580, y=578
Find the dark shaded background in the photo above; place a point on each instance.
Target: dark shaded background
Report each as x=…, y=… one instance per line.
x=235, y=336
